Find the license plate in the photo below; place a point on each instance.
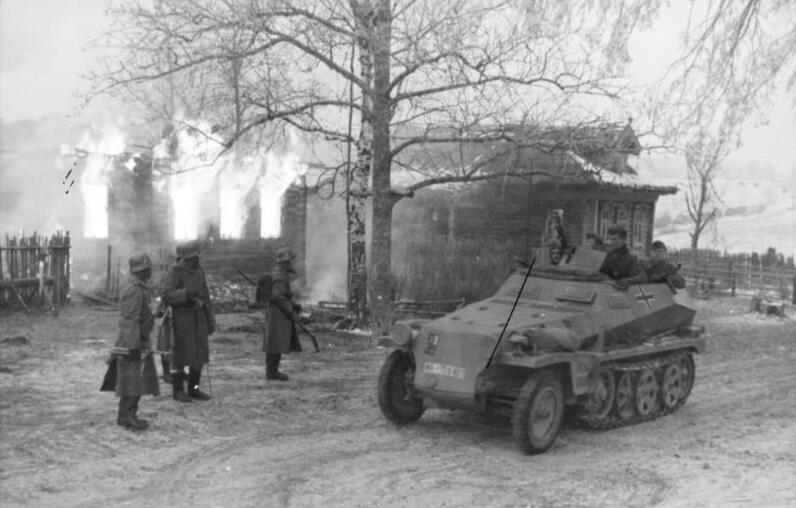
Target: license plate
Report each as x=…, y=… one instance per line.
x=443, y=370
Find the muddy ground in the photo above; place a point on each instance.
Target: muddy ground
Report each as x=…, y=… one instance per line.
x=320, y=440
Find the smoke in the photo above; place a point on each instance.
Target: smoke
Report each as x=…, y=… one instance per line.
x=327, y=248
x=100, y=153
x=58, y=174
x=39, y=186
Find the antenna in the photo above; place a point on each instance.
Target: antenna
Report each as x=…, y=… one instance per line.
x=516, y=300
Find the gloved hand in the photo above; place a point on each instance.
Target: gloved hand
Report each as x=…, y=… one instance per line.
x=198, y=303
x=296, y=308
x=675, y=281
x=146, y=349
x=134, y=354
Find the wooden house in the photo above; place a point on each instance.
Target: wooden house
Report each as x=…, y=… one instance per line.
x=581, y=175
x=460, y=239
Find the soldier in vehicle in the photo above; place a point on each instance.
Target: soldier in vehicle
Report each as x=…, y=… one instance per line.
x=280, y=315
x=594, y=241
x=185, y=289
x=135, y=368
x=619, y=263
x=657, y=269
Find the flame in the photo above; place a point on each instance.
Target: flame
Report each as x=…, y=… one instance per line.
x=200, y=164
x=281, y=171
x=94, y=180
x=238, y=178
x=185, y=201
x=194, y=169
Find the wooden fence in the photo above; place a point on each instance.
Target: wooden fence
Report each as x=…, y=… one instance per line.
x=433, y=268
x=35, y=266
x=711, y=272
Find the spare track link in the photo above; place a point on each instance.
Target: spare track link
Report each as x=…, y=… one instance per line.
x=612, y=421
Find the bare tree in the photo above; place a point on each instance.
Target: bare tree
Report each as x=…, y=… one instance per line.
x=734, y=56
x=703, y=160
x=479, y=69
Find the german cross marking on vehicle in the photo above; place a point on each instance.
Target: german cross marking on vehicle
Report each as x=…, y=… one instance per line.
x=642, y=296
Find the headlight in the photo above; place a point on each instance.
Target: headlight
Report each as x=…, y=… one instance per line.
x=401, y=333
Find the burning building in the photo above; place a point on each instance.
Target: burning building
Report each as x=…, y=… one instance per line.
x=245, y=207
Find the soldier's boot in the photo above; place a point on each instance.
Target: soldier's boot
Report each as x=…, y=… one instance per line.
x=164, y=362
x=178, y=389
x=127, y=407
x=194, y=392
x=272, y=368
x=134, y=412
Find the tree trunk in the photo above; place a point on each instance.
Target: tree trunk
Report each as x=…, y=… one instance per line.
x=380, y=287
x=358, y=179
x=695, y=239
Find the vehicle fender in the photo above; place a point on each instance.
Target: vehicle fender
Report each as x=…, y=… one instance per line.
x=390, y=342
x=582, y=369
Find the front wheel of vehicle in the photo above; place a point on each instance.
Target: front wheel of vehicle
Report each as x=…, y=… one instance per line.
x=397, y=398
x=538, y=413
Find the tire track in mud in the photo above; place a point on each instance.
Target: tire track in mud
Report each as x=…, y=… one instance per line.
x=321, y=441
x=378, y=465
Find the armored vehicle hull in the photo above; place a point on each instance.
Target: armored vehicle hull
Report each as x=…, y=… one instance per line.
x=548, y=339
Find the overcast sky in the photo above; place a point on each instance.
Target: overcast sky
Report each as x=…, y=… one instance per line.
x=42, y=58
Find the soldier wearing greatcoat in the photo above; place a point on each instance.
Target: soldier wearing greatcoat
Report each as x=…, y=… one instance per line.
x=184, y=288
x=135, y=368
x=280, y=316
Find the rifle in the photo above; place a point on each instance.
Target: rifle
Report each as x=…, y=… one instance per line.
x=284, y=312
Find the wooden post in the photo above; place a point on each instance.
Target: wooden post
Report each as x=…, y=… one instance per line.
x=108, y=275
x=66, y=242
x=793, y=300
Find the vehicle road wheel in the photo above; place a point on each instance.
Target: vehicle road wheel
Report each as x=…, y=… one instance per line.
x=672, y=385
x=538, y=413
x=687, y=365
x=600, y=402
x=647, y=391
x=397, y=398
x=625, y=395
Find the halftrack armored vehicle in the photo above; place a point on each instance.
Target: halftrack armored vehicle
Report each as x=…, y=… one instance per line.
x=551, y=337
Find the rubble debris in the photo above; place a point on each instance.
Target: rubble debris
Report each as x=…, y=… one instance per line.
x=767, y=307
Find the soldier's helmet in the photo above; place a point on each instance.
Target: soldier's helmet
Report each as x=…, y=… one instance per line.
x=139, y=262
x=284, y=254
x=189, y=249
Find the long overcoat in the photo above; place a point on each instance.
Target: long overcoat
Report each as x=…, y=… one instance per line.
x=280, y=331
x=192, y=322
x=135, y=376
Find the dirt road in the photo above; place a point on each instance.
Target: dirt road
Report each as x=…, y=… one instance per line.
x=320, y=440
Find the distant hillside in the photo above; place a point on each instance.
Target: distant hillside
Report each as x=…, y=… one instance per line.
x=757, y=208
